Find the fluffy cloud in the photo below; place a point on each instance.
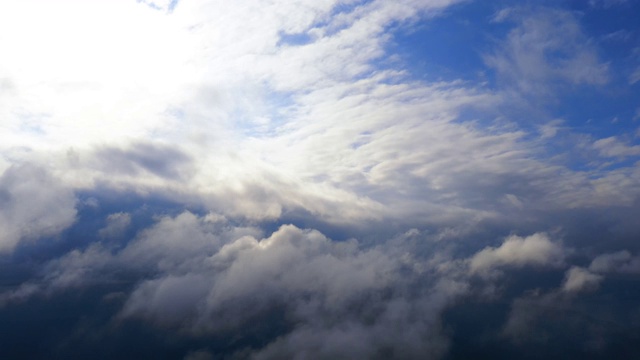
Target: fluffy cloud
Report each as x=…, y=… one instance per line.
x=33, y=204
x=203, y=276
x=536, y=250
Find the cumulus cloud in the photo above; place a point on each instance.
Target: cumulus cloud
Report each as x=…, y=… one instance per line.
x=336, y=293
x=516, y=251
x=33, y=204
x=290, y=263
x=203, y=276
x=580, y=279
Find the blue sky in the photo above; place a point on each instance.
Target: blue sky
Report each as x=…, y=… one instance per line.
x=203, y=179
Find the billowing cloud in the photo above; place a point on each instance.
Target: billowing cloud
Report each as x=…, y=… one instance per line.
x=206, y=276
x=33, y=204
x=535, y=250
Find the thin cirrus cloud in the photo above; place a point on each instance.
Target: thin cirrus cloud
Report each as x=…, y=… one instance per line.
x=267, y=180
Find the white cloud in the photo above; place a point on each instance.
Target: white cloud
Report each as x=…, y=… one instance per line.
x=614, y=147
x=219, y=113
x=533, y=250
x=201, y=275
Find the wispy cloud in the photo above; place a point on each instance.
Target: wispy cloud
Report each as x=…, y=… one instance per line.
x=546, y=48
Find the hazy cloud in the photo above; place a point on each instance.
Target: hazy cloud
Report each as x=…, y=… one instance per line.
x=614, y=147
x=621, y=261
x=546, y=47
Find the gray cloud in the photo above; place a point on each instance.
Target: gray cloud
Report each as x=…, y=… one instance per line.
x=203, y=276
x=144, y=157
x=33, y=204
x=621, y=262
x=116, y=225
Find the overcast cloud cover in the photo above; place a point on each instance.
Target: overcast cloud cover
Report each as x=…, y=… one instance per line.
x=336, y=179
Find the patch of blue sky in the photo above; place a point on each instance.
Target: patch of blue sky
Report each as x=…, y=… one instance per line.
x=439, y=49
x=172, y=5
x=611, y=110
x=600, y=112
x=294, y=39
x=168, y=7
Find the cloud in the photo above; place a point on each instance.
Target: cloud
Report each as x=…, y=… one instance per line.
x=614, y=147
x=290, y=263
x=360, y=291
x=274, y=180
x=580, y=279
x=547, y=47
x=33, y=204
x=200, y=276
x=154, y=159
x=116, y=226
x=621, y=262
x=533, y=250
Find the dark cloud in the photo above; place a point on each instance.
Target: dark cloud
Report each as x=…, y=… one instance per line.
x=227, y=289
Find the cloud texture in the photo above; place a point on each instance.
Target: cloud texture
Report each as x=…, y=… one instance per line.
x=299, y=180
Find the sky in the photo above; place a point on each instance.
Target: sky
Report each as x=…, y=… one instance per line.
x=335, y=179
